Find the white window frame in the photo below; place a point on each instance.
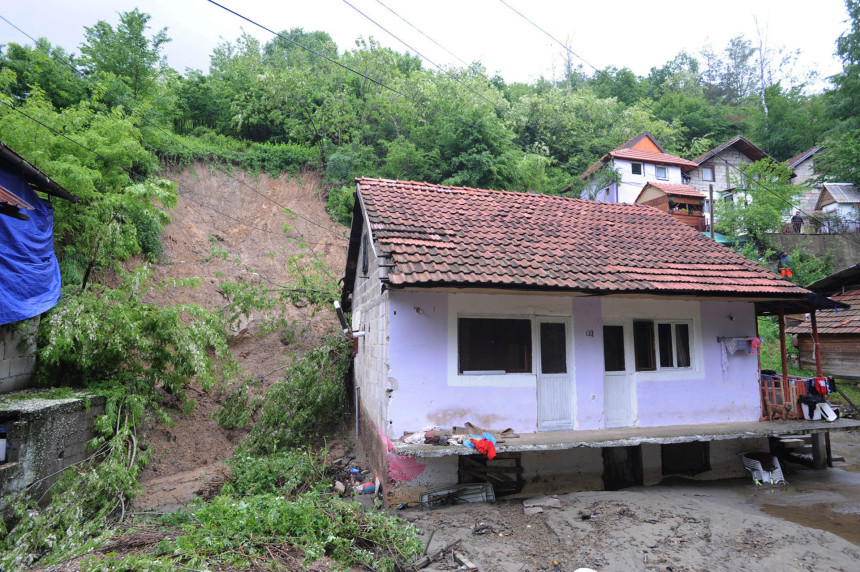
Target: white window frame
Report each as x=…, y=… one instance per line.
x=641, y=169
x=665, y=172
x=673, y=323
x=618, y=311
x=713, y=172
x=504, y=306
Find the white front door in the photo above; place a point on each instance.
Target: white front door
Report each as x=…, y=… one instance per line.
x=554, y=387
x=618, y=388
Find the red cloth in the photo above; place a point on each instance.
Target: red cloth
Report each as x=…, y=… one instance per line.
x=756, y=344
x=485, y=446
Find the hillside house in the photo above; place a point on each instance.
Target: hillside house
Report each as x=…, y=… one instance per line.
x=604, y=335
x=843, y=201
x=637, y=162
x=719, y=168
x=29, y=273
x=803, y=165
x=681, y=201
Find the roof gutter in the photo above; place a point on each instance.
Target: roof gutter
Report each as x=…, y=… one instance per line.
x=33, y=175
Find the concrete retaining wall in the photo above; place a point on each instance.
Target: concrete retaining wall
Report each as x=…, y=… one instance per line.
x=45, y=437
x=846, y=247
x=17, y=355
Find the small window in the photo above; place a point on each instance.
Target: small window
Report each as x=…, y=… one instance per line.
x=613, y=348
x=729, y=198
x=494, y=345
x=364, y=255
x=643, y=345
x=636, y=168
x=553, y=348
x=708, y=174
x=672, y=345
x=662, y=172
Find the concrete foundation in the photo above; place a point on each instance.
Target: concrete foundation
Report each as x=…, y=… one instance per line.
x=45, y=436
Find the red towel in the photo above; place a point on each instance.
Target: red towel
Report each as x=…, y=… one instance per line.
x=486, y=447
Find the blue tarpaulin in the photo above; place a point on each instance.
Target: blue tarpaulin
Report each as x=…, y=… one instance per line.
x=29, y=273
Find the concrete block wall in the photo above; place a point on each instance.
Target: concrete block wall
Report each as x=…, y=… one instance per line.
x=17, y=355
x=727, y=176
x=45, y=437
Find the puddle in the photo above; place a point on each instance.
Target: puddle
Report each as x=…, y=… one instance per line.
x=821, y=516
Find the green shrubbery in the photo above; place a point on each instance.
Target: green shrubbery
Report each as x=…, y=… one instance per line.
x=308, y=404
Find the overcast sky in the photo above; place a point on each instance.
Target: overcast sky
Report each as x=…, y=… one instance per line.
x=638, y=35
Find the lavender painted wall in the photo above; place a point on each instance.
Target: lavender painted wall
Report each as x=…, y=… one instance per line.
x=421, y=396
x=422, y=392
x=715, y=398
x=588, y=358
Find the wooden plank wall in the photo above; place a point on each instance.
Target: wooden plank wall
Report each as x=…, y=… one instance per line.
x=840, y=355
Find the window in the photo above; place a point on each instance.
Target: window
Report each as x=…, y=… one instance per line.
x=643, y=345
x=636, y=168
x=662, y=172
x=553, y=348
x=708, y=174
x=613, y=348
x=494, y=345
x=672, y=345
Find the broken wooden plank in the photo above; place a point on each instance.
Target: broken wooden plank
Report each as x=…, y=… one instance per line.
x=425, y=561
x=461, y=559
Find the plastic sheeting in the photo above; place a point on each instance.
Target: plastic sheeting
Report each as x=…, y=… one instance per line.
x=29, y=273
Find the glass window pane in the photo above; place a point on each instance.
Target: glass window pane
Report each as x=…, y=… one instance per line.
x=490, y=344
x=613, y=348
x=662, y=173
x=664, y=337
x=553, y=349
x=682, y=340
x=636, y=168
x=643, y=345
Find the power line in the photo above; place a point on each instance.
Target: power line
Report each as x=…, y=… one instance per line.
x=440, y=68
x=124, y=99
x=646, y=105
x=388, y=87
x=455, y=56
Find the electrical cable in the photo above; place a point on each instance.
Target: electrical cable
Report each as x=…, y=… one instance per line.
x=389, y=88
x=452, y=54
x=646, y=105
x=440, y=68
x=171, y=136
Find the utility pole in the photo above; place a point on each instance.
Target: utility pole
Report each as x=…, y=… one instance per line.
x=711, y=207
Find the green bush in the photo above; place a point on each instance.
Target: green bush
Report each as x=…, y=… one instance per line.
x=308, y=404
x=339, y=204
x=284, y=472
x=149, y=230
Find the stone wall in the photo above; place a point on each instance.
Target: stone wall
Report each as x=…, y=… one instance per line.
x=45, y=437
x=17, y=355
x=845, y=247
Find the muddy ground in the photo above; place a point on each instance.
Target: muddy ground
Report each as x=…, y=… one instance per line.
x=811, y=524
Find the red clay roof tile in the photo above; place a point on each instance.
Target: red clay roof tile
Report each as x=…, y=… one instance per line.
x=457, y=236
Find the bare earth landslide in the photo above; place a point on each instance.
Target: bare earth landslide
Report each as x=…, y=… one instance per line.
x=812, y=524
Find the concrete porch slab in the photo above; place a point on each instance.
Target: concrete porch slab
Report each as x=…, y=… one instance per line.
x=630, y=436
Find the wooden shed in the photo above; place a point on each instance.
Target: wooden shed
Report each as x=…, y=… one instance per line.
x=838, y=329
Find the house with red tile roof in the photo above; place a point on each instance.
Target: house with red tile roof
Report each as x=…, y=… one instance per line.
x=681, y=201
x=610, y=339
x=638, y=161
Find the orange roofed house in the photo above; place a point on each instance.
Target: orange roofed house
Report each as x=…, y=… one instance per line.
x=638, y=161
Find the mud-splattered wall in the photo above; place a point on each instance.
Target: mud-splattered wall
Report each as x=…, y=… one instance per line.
x=45, y=437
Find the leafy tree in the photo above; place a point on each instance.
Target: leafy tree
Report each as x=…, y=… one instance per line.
x=126, y=52
x=763, y=197
x=50, y=68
